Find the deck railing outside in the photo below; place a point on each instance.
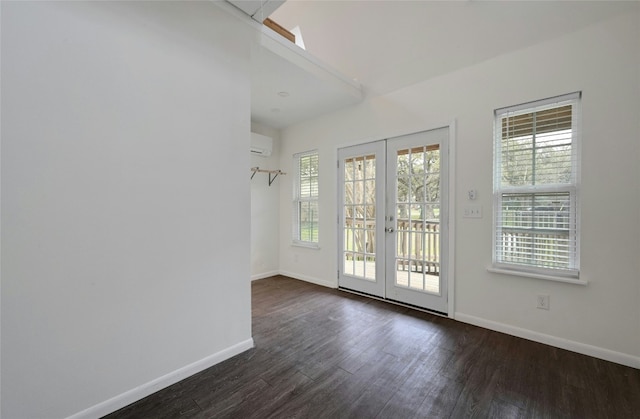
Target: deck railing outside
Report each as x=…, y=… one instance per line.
x=418, y=246
x=538, y=237
x=418, y=243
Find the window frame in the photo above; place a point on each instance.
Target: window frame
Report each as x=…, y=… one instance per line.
x=299, y=200
x=571, y=273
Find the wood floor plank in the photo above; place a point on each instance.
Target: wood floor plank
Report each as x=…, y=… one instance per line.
x=505, y=410
x=416, y=386
x=317, y=399
x=361, y=394
x=324, y=353
x=441, y=399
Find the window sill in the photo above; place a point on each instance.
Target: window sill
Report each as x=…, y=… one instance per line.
x=306, y=245
x=564, y=279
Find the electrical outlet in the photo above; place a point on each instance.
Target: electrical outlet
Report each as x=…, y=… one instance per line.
x=543, y=301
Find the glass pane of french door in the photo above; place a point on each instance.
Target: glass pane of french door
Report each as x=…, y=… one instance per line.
x=416, y=257
x=417, y=210
x=361, y=243
x=360, y=216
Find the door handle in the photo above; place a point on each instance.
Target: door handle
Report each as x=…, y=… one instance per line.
x=389, y=229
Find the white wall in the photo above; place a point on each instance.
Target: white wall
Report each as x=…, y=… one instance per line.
x=125, y=200
x=602, y=61
x=265, y=209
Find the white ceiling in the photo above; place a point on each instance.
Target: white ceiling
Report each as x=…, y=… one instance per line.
x=386, y=45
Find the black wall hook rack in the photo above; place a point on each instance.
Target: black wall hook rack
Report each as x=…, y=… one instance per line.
x=273, y=174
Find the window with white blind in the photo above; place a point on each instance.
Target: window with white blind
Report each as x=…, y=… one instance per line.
x=536, y=180
x=305, y=199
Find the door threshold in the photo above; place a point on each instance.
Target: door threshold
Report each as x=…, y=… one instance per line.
x=395, y=302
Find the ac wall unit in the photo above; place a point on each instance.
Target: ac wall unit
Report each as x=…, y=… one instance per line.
x=261, y=145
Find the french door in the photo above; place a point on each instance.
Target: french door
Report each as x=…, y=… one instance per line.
x=393, y=219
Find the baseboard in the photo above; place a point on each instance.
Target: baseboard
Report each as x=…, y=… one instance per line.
x=311, y=279
x=135, y=394
x=264, y=275
x=570, y=345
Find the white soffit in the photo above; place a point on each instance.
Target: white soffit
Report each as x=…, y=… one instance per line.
x=312, y=88
x=289, y=85
x=259, y=10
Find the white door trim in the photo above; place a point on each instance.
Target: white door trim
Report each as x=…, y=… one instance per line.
x=451, y=253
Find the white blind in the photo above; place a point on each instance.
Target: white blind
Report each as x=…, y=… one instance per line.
x=536, y=170
x=308, y=169
x=306, y=194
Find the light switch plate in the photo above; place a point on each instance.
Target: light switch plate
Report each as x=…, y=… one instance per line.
x=472, y=211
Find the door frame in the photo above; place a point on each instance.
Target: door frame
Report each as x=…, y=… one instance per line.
x=451, y=190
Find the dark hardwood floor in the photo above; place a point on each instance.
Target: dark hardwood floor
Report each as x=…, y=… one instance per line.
x=323, y=353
